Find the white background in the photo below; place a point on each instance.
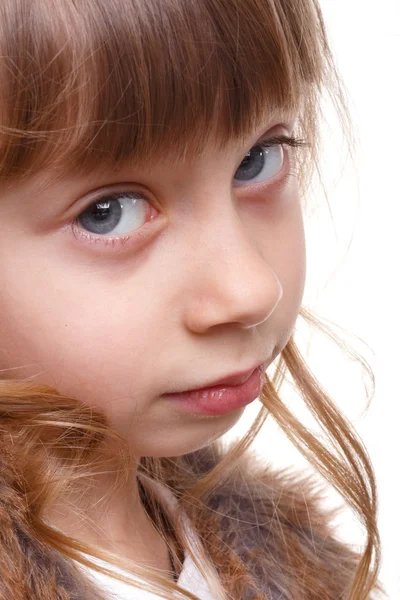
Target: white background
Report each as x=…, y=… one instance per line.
x=353, y=265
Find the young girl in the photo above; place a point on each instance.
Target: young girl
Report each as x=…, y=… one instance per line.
x=202, y=117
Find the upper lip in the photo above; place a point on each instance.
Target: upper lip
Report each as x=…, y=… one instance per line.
x=235, y=379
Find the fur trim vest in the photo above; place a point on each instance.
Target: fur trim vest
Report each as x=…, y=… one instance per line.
x=272, y=520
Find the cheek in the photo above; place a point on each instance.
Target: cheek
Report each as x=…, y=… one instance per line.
x=72, y=336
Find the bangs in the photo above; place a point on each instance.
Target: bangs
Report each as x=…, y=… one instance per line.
x=109, y=81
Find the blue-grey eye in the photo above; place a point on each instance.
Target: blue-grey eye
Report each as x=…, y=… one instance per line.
x=260, y=164
x=114, y=214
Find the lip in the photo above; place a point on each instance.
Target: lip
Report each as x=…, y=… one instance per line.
x=221, y=399
x=235, y=379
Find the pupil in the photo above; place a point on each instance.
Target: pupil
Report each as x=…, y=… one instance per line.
x=251, y=165
x=101, y=211
x=246, y=160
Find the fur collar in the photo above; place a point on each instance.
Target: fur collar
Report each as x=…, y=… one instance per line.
x=272, y=520
x=275, y=521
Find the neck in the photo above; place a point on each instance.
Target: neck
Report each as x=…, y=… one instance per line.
x=103, y=512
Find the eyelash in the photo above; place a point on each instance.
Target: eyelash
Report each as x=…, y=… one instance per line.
x=283, y=140
x=278, y=140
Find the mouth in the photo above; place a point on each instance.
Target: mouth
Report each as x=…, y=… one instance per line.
x=237, y=378
x=235, y=392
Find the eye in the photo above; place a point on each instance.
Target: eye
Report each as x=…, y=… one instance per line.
x=115, y=214
x=261, y=163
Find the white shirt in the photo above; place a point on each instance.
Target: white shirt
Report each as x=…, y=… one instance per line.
x=190, y=577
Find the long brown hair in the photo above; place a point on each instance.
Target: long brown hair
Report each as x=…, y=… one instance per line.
x=104, y=82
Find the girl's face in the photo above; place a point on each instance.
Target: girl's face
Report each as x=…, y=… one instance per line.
x=207, y=282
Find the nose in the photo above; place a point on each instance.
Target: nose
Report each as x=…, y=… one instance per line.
x=231, y=282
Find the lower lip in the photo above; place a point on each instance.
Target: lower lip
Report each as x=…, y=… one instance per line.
x=221, y=399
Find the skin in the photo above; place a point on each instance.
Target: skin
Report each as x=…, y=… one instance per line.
x=214, y=287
